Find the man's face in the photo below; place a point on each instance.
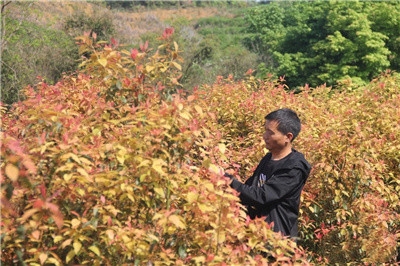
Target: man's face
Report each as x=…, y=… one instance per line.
x=274, y=139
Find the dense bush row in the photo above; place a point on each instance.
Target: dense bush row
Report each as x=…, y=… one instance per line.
x=114, y=164
x=111, y=165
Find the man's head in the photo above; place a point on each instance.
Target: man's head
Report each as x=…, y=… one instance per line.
x=281, y=128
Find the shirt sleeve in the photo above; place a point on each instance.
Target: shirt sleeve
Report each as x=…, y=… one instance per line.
x=274, y=189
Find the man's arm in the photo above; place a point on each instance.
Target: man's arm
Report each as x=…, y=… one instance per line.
x=274, y=189
x=248, y=182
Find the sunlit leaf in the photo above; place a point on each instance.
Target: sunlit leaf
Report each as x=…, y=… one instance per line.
x=12, y=172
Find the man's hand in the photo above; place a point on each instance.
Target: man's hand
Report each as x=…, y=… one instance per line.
x=229, y=175
x=230, y=172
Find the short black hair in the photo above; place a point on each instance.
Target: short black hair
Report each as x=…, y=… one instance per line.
x=288, y=121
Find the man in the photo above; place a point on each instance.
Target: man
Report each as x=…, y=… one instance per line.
x=274, y=190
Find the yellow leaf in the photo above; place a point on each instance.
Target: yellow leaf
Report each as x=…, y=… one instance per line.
x=198, y=109
x=121, y=158
x=95, y=250
x=57, y=239
x=130, y=197
x=252, y=242
x=12, y=172
x=215, y=169
x=110, y=234
x=144, y=163
x=205, y=208
x=77, y=246
x=66, y=243
x=385, y=224
x=191, y=197
x=159, y=191
x=153, y=237
x=176, y=46
x=209, y=186
x=67, y=177
x=157, y=165
x=72, y=156
x=149, y=68
x=85, y=161
x=178, y=66
x=54, y=261
x=221, y=237
x=97, y=132
x=28, y=214
x=176, y=220
x=70, y=255
x=83, y=172
x=185, y=115
x=103, y=61
x=75, y=223
x=80, y=191
x=43, y=258
x=221, y=147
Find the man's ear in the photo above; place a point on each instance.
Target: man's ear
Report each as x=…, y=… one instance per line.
x=289, y=136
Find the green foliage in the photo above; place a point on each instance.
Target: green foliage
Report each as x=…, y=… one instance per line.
x=211, y=46
x=325, y=42
x=99, y=23
x=215, y=48
x=30, y=51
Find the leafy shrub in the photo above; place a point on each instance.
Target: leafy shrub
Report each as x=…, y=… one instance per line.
x=350, y=206
x=112, y=165
x=32, y=51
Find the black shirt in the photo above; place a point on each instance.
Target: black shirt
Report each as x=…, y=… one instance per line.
x=269, y=167
x=274, y=190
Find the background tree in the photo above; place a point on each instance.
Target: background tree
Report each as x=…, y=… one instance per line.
x=324, y=42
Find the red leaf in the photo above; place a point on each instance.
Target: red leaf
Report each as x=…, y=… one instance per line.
x=134, y=53
x=210, y=257
x=7, y=206
x=56, y=214
x=114, y=42
x=249, y=72
x=167, y=33
x=43, y=190
x=38, y=204
x=58, y=220
x=77, y=215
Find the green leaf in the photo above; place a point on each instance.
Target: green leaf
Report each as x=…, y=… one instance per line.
x=182, y=252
